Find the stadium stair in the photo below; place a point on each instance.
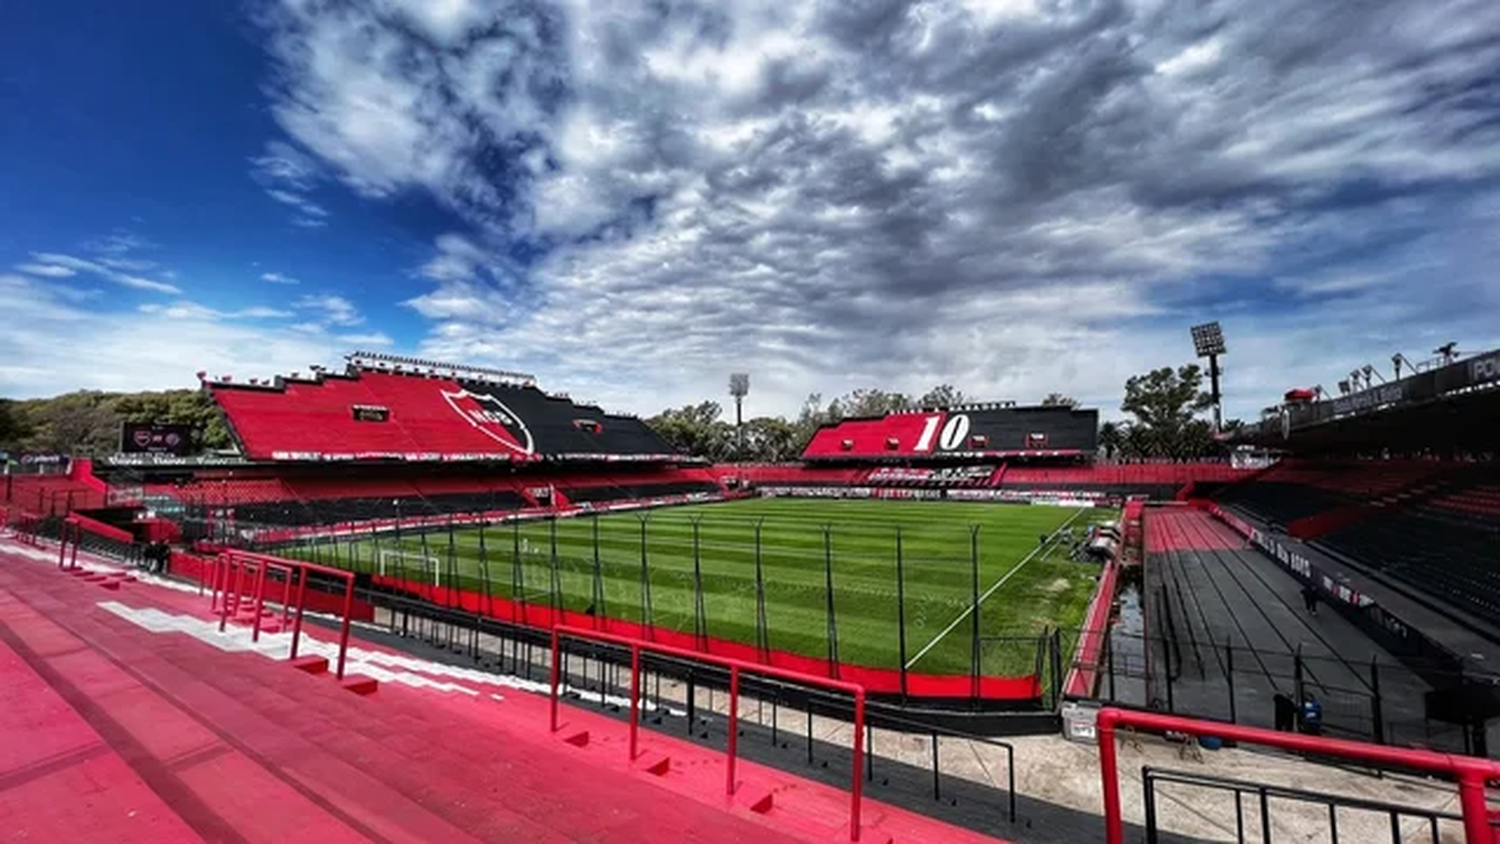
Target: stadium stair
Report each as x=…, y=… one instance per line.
x=241, y=747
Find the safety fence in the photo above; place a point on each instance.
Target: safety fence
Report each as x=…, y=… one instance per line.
x=673, y=585
x=780, y=713
x=1372, y=700
x=1469, y=773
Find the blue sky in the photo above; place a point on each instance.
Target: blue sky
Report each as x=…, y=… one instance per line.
x=1016, y=196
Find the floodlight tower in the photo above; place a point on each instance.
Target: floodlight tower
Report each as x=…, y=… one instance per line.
x=739, y=387
x=1208, y=342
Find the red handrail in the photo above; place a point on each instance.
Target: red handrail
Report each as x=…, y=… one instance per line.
x=1470, y=772
x=736, y=667
x=237, y=561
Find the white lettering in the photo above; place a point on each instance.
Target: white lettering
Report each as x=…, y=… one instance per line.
x=929, y=428
x=1484, y=369
x=955, y=432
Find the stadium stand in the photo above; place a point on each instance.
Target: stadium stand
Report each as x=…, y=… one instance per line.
x=974, y=431
x=379, y=415
x=1429, y=524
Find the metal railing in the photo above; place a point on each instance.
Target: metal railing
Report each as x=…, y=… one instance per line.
x=231, y=567
x=736, y=668
x=1152, y=778
x=1469, y=772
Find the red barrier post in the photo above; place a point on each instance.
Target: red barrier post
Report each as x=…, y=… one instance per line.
x=260, y=601
x=1471, y=773
x=734, y=728
x=735, y=665
x=635, y=697
x=301, y=599
x=62, y=545
x=231, y=575
x=286, y=597
x=556, y=669
x=344, y=630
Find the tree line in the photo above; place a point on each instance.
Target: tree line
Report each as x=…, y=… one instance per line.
x=88, y=422
x=1164, y=406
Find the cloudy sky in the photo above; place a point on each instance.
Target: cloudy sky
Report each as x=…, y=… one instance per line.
x=632, y=200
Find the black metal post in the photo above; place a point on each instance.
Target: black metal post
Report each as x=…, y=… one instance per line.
x=1229, y=679
x=901, y=612
x=484, y=572
x=599, y=609
x=1377, y=714
x=517, y=574
x=1297, y=683
x=762, y=629
x=1148, y=799
x=700, y=617
x=974, y=637
x=645, y=584
x=833, y=629
x=555, y=586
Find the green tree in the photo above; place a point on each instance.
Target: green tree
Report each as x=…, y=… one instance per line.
x=12, y=427
x=1112, y=438
x=943, y=395
x=1059, y=400
x=1165, y=403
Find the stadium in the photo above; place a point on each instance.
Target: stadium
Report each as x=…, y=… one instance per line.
x=688, y=422
x=977, y=574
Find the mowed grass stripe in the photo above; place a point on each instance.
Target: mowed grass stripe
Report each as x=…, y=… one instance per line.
x=935, y=544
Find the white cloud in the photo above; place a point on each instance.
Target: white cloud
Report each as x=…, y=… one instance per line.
x=47, y=270
x=1017, y=197
x=52, y=344
x=76, y=265
x=288, y=175
x=195, y=311
x=330, y=309
x=278, y=278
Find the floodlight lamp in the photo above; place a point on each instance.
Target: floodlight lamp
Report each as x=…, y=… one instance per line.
x=739, y=384
x=1344, y=387
x=1208, y=339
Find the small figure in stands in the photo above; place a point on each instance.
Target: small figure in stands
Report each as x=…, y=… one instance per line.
x=1312, y=716
x=160, y=554
x=1310, y=599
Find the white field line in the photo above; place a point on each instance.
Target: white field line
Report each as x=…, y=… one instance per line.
x=990, y=591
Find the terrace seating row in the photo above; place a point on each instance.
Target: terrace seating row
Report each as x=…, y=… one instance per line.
x=225, y=491
x=1430, y=525
x=375, y=414
x=1481, y=500
x=335, y=510
x=1123, y=474
x=793, y=473
x=1433, y=552
x=988, y=430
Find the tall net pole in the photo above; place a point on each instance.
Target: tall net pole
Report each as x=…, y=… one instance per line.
x=833, y=626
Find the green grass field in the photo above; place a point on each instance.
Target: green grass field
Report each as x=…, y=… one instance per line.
x=1025, y=588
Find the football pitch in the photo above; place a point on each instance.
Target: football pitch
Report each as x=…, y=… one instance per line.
x=1025, y=585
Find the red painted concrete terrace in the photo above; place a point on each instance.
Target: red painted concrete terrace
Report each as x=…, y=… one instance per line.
x=117, y=733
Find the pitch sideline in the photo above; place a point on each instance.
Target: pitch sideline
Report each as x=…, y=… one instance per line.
x=988, y=592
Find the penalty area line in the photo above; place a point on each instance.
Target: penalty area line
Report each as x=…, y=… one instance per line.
x=990, y=591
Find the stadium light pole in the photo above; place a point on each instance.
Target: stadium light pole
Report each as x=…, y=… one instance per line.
x=1208, y=342
x=739, y=387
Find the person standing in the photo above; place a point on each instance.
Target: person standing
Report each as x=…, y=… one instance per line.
x=1310, y=599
